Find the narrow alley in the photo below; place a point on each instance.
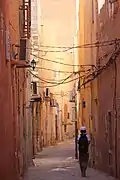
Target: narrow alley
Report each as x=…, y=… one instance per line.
x=58, y=163
x=59, y=81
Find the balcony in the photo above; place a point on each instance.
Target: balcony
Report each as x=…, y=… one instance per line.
x=25, y=19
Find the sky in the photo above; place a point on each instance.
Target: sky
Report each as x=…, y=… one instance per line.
x=100, y=4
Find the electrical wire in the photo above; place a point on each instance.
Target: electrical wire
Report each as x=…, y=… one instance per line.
x=87, y=44
x=113, y=57
x=53, y=61
x=54, y=70
x=53, y=80
x=45, y=80
x=49, y=60
x=95, y=73
x=91, y=45
x=63, y=82
x=71, y=47
x=48, y=81
x=56, y=84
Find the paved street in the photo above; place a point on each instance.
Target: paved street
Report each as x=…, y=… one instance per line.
x=58, y=163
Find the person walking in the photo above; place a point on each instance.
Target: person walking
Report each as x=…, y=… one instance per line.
x=83, y=147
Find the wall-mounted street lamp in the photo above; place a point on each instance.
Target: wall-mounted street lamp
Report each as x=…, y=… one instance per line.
x=21, y=61
x=33, y=64
x=24, y=64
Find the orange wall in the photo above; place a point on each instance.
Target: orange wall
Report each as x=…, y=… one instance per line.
x=7, y=150
x=12, y=89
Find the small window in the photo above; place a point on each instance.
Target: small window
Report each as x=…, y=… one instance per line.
x=65, y=128
x=111, y=7
x=83, y=104
x=34, y=87
x=68, y=115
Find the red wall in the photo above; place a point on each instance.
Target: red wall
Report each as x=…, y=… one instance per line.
x=11, y=89
x=106, y=95
x=7, y=155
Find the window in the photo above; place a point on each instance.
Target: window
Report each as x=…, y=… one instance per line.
x=68, y=115
x=34, y=87
x=111, y=7
x=65, y=128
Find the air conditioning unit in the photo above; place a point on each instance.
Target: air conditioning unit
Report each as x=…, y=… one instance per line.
x=47, y=93
x=23, y=49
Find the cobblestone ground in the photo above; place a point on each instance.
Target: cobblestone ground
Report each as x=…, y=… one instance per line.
x=58, y=163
